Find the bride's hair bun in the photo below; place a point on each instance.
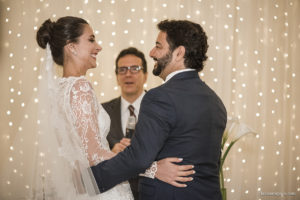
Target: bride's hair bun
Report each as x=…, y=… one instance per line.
x=58, y=34
x=43, y=35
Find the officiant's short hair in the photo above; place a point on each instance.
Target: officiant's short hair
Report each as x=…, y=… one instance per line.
x=133, y=51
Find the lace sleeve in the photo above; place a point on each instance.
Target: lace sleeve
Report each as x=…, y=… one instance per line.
x=151, y=171
x=85, y=108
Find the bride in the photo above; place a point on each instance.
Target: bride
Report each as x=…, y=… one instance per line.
x=72, y=124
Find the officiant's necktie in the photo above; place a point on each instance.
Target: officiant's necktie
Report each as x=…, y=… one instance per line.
x=130, y=123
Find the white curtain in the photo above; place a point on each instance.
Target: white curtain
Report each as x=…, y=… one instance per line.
x=253, y=66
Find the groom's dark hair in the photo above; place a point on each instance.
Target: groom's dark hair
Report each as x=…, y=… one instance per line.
x=191, y=36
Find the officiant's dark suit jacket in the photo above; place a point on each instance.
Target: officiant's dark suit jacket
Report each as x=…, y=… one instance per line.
x=113, y=108
x=182, y=118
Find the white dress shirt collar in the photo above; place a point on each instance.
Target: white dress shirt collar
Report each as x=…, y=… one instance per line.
x=177, y=72
x=136, y=104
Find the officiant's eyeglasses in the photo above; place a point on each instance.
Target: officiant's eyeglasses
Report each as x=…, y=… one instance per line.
x=133, y=69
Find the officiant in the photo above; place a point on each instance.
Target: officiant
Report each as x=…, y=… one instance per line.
x=131, y=74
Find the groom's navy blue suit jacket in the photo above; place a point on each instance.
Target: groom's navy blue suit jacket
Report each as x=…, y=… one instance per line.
x=182, y=118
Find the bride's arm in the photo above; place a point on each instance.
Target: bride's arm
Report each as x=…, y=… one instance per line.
x=166, y=171
x=85, y=108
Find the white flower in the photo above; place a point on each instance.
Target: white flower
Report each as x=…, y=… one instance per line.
x=235, y=130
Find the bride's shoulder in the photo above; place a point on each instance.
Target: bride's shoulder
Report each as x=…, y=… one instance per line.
x=75, y=82
x=75, y=85
x=82, y=84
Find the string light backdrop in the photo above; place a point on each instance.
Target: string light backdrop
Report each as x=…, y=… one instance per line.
x=253, y=66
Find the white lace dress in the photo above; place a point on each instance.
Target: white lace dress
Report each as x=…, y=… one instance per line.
x=77, y=100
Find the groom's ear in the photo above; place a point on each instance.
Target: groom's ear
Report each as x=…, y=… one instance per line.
x=179, y=53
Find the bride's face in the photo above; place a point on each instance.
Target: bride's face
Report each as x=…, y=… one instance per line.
x=87, y=48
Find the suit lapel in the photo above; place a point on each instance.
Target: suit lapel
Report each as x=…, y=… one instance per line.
x=116, y=115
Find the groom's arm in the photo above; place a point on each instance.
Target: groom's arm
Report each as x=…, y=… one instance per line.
x=156, y=118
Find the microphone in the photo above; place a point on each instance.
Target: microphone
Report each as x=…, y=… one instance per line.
x=130, y=128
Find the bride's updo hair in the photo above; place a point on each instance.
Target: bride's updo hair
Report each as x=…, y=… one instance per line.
x=65, y=30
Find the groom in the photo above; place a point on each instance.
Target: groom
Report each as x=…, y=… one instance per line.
x=182, y=118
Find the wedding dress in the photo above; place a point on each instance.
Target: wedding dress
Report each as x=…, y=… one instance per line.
x=79, y=104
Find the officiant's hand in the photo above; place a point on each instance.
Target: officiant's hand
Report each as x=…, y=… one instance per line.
x=118, y=147
x=171, y=173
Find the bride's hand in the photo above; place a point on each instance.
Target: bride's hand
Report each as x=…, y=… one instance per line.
x=118, y=147
x=170, y=173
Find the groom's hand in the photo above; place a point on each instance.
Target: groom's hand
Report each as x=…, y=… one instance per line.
x=118, y=147
x=170, y=173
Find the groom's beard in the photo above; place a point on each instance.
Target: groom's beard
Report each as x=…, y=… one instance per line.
x=161, y=63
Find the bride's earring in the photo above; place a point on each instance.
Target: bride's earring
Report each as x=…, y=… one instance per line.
x=74, y=52
x=71, y=48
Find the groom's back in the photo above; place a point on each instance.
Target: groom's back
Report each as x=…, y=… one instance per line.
x=195, y=136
